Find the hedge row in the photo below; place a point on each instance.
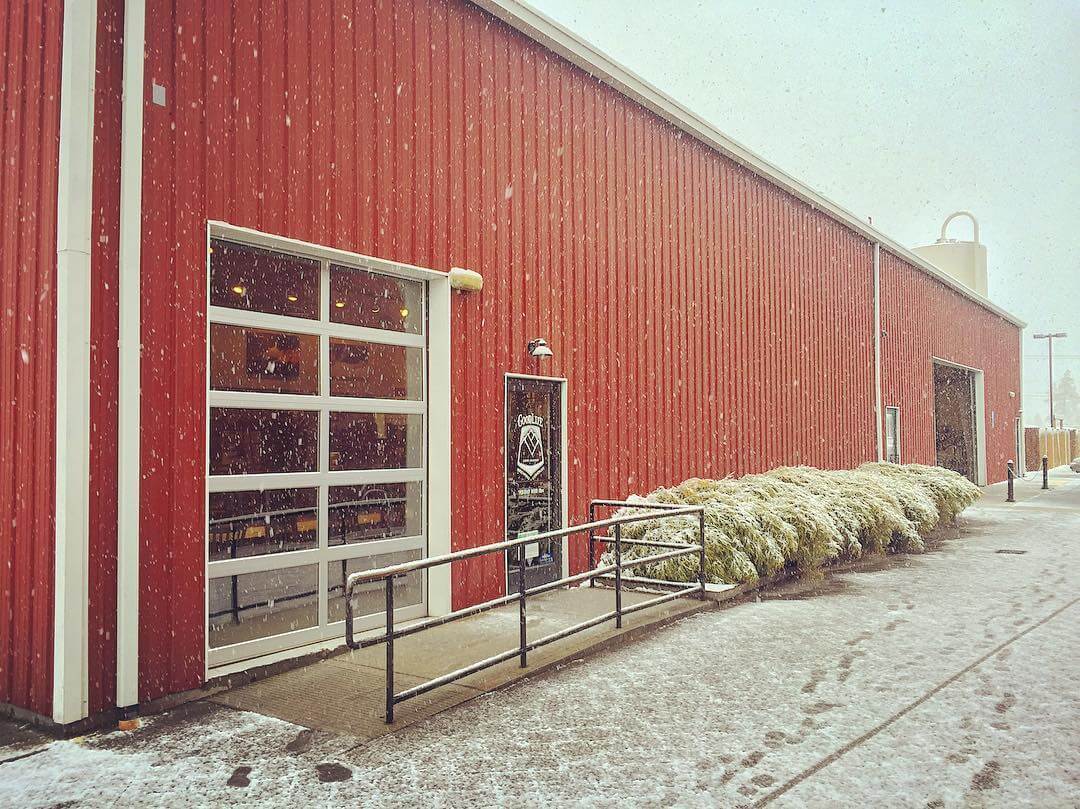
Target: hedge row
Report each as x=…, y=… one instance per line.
x=799, y=518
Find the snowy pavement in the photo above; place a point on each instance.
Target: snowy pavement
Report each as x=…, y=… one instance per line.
x=946, y=679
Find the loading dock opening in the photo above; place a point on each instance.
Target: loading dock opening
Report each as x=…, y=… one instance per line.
x=958, y=434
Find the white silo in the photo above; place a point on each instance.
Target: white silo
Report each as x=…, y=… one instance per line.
x=964, y=261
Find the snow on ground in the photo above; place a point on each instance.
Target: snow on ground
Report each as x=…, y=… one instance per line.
x=733, y=707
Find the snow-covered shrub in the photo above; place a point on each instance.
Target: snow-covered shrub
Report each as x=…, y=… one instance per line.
x=799, y=518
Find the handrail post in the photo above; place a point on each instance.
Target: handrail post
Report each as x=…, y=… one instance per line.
x=1046, y=472
x=701, y=558
x=592, y=542
x=349, y=616
x=1009, y=469
x=389, y=650
x=618, y=576
x=522, y=639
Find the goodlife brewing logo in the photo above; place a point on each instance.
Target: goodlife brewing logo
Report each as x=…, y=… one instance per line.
x=530, y=454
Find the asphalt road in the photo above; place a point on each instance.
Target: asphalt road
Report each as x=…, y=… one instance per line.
x=939, y=680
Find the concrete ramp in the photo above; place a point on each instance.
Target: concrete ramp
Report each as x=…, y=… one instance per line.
x=344, y=693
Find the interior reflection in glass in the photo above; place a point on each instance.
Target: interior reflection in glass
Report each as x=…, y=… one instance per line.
x=374, y=511
x=257, y=280
x=371, y=598
x=249, y=441
x=375, y=441
x=361, y=298
x=258, y=605
x=244, y=358
x=253, y=523
x=375, y=370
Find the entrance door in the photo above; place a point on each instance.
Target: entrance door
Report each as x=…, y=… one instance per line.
x=534, y=476
x=316, y=451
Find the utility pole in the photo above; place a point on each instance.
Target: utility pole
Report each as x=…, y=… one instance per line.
x=1050, y=356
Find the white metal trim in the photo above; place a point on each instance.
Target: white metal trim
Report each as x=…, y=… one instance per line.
x=305, y=480
x=564, y=42
x=953, y=364
x=128, y=471
x=878, y=414
x=74, y=224
x=221, y=568
x=251, y=400
x=1021, y=462
x=899, y=449
x=439, y=435
x=226, y=668
x=322, y=403
x=300, y=325
x=255, y=238
x=980, y=427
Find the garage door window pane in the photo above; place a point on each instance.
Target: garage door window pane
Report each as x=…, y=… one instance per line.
x=258, y=605
x=257, y=280
x=370, y=598
x=375, y=441
x=361, y=298
x=375, y=370
x=254, y=523
x=250, y=441
x=243, y=358
x=374, y=511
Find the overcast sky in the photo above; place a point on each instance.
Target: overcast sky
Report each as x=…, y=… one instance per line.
x=903, y=111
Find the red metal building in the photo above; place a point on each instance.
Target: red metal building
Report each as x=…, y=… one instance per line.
x=238, y=366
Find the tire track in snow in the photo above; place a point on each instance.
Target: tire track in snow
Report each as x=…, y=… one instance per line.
x=829, y=759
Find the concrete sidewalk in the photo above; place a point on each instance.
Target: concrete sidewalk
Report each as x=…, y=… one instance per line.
x=1064, y=491
x=934, y=680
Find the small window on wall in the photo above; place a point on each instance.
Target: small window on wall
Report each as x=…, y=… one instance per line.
x=892, y=434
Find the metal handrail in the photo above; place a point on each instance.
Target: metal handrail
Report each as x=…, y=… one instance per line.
x=391, y=572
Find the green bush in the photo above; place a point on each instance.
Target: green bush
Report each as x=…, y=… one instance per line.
x=798, y=518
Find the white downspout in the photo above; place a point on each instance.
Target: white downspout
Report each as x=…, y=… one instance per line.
x=1021, y=462
x=130, y=350
x=74, y=224
x=877, y=352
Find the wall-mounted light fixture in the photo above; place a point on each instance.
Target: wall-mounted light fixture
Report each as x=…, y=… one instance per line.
x=465, y=280
x=539, y=348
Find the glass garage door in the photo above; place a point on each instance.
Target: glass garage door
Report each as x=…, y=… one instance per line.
x=316, y=449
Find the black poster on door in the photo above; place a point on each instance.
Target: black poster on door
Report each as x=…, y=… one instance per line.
x=534, y=475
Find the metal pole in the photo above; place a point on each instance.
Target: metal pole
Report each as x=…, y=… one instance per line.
x=1050, y=359
x=522, y=640
x=592, y=543
x=701, y=558
x=389, y=650
x=1010, y=498
x=1046, y=472
x=618, y=576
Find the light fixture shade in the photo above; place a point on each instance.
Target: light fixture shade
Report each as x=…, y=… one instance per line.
x=465, y=280
x=539, y=348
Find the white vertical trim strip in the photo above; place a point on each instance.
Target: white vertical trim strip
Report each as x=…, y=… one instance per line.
x=130, y=345
x=1021, y=462
x=877, y=353
x=565, y=482
x=439, y=445
x=74, y=224
x=980, y=428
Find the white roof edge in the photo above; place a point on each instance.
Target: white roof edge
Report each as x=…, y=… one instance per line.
x=538, y=26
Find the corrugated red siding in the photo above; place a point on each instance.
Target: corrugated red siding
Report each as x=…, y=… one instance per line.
x=707, y=322
x=104, y=308
x=922, y=319
x=30, y=35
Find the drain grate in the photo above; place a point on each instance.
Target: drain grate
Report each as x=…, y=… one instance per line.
x=1009, y=550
